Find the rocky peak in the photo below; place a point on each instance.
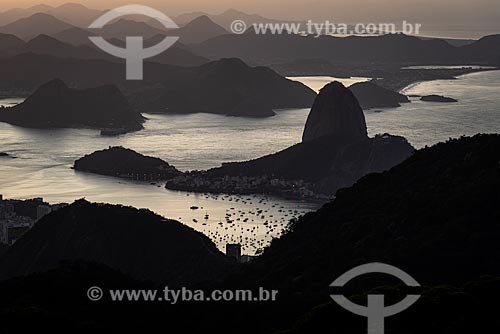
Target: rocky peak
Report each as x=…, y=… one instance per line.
x=335, y=112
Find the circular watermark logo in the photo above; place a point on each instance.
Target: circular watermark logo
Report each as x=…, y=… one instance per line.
x=134, y=51
x=238, y=27
x=376, y=311
x=95, y=293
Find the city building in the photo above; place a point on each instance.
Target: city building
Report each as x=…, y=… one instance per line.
x=234, y=251
x=14, y=228
x=14, y=225
x=42, y=210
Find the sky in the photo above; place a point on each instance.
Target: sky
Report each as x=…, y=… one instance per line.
x=435, y=14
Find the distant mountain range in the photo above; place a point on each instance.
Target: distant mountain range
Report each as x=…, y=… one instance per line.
x=81, y=16
x=225, y=18
x=198, y=30
x=11, y=45
x=39, y=23
x=207, y=36
x=227, y=86
x=395, y=48
x=72, y=13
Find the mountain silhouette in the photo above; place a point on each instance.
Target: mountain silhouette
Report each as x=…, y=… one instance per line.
x=136, y=242
x=198, y=30
x=223, y=87
x=124, y=27
x=486, y=49
x=372, y=96
x=54, y=104
x=122, y=162
x=274, y=48
x=227, y=86
x=384, y=49
x=435, y=215
x=75, y=43
x=9, y=43
x=335, y=151
x=47, y=45
x=36, y=24
x=72, y=13
x=335, y=112
x=223, y=19
x=74, y=36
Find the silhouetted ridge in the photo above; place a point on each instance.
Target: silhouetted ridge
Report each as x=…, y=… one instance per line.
x=10, y=42
x=228, y=87
x=136, y=242
x=437, y=215
x=38, y=23
x=198, y=30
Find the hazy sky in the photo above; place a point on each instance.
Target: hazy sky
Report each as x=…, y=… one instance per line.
x=437, y=13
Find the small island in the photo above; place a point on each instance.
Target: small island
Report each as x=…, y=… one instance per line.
x=125, y=163
x=438, y=98
x=3, y=154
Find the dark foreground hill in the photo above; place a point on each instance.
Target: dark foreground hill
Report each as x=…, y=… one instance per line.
x=437, y=214
x=122, y=162
x=54, y=104
x=138, y=243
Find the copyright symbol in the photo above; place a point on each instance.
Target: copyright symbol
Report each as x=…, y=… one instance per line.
x=238, y=27
x=94, y=293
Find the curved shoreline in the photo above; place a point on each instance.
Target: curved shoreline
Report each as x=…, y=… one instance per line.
x=416, y=83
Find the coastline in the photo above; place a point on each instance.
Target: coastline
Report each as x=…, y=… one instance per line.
x=403, y=80
x=416, y=83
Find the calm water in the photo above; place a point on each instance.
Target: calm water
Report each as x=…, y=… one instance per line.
x=446, y=67
x=42, y=166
